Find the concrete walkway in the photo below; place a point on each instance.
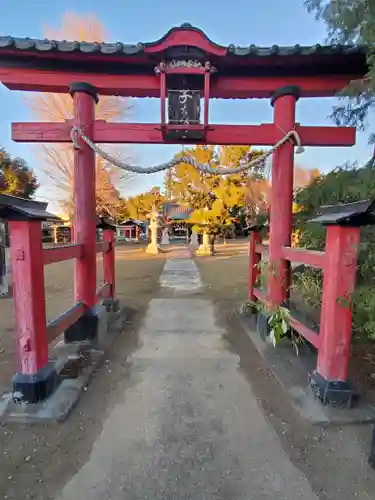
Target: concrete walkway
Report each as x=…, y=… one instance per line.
x=189, y=427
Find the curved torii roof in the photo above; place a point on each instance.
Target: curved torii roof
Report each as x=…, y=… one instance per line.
x=184, y=42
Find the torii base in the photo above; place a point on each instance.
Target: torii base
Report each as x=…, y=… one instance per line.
x=57, y=407
x=336, y=394
x=153, y=249
x=292, y=374
x=204, y=251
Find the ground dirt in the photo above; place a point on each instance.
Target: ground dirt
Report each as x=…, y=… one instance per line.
x=334, y=459
x=35, y=461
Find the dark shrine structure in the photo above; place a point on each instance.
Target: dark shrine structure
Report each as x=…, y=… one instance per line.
x=184, y=70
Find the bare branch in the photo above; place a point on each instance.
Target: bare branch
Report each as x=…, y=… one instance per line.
x=57, y=160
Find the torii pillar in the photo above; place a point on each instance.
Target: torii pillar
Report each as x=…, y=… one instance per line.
x=281, y=213
x=85, y=96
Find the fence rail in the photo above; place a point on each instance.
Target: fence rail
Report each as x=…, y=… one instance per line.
x=62, y=322
x=303, y=256
x=261, y=248
x=61, y=253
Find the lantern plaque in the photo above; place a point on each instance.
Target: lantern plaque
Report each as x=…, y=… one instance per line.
x=184, y=81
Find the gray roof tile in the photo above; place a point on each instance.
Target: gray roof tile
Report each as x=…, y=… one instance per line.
x=21, y=44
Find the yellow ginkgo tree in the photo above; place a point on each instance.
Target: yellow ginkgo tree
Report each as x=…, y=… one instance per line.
x=215, y=199
x=140, y=206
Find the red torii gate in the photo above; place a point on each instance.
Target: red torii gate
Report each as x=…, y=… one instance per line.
x=183, y=63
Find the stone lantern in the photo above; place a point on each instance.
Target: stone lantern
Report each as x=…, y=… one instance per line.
x=205, y=249
x=153, y=247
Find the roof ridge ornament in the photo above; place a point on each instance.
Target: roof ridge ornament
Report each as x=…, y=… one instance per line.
x=184, y=63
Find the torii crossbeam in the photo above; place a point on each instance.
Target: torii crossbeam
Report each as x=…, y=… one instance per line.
x=151, y=133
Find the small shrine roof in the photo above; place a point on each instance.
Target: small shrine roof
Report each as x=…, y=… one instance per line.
x=174, y=211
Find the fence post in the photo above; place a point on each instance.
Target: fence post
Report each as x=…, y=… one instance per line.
x=371, y=458
x=329, y=380
x=36, y=378
x=109, y=263
x=3, y=260
x=254, y=260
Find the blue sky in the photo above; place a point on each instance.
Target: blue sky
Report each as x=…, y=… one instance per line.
x=239, y=22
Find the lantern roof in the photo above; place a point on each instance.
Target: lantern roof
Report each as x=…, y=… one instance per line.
x=183, y=42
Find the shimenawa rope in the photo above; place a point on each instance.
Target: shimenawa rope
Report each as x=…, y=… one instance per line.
x=245, y=164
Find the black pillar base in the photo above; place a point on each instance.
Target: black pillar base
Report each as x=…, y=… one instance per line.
x=111, y=305
x=35, y=387
x=337, y=394
x=263, y=328
x=371, y=459
x=249, y=313
x=85, y=328
x=252, y=318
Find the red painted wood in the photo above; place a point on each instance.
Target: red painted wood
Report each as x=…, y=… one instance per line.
x=264, y=87
x=326, y=136
x=185, y=71
x=29, y=298
x=109, y=262
x=336, y=313
x=60, y=324
x=306, y=332
x=303, y=256
x=260, y=295
x=163, y=96
x=254, y=259
x=189, y=37
x=58, y=82
x=258, y=135
x=206, y=95
x=149, y=85
x=85, y=211
x=281, y=202
x=42, y=131
x=261, y=248
x=59, y=254
x=102, y=246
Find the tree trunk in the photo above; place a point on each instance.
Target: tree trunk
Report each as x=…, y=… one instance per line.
x=212, y=242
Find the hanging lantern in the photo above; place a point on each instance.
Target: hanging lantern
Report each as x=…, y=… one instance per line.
x=184, y=107
x=184, y=81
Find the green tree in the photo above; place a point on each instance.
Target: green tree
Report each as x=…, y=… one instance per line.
x=18, y=179
x=351, y=21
